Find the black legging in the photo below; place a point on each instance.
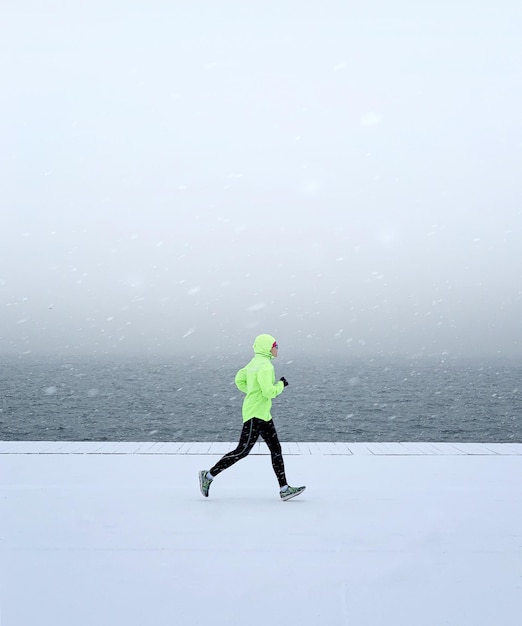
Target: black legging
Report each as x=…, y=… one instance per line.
x=249, y=435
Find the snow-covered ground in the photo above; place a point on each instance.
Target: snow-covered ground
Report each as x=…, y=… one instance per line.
x=128, y=540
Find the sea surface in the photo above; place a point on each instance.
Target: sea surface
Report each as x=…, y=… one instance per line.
x=362, y=400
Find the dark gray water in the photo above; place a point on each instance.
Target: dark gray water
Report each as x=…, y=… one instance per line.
x=376, y=400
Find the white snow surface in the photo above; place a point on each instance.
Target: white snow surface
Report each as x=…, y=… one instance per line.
x=128, y=540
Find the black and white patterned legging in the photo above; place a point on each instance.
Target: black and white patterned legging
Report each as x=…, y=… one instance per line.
x=252, y=429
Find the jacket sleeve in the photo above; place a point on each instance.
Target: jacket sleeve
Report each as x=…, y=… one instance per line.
x=241, y=380
x=265, y=378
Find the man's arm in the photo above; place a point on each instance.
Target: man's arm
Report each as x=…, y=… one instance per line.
x=265, y=377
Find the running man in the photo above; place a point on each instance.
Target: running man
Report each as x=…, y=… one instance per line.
x=257, y=381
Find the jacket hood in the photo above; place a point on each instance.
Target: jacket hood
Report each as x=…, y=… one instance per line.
x=263, y=344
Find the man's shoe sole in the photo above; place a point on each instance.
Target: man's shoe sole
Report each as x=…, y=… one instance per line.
x=202, y=474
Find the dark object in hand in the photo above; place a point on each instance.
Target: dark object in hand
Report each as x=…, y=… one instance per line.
x=284, y=381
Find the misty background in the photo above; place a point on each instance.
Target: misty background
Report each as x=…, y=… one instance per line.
x=177, y=177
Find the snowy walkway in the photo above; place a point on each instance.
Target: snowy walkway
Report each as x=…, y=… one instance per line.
x=398, y=534
x=289, y=448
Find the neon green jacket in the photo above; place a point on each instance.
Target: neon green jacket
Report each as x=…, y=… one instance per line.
x=257, y=380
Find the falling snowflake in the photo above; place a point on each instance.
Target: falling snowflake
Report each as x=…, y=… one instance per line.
x=256, y=307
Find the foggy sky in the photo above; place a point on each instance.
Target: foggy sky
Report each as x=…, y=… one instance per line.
x=177, y=177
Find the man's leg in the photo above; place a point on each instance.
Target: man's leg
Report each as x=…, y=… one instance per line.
x=269, y=434
x=249, y=436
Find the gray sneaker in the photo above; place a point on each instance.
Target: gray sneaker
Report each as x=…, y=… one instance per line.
x=291, y=492
x=204, y=483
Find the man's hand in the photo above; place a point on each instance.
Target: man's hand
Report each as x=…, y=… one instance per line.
x=284, y=381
